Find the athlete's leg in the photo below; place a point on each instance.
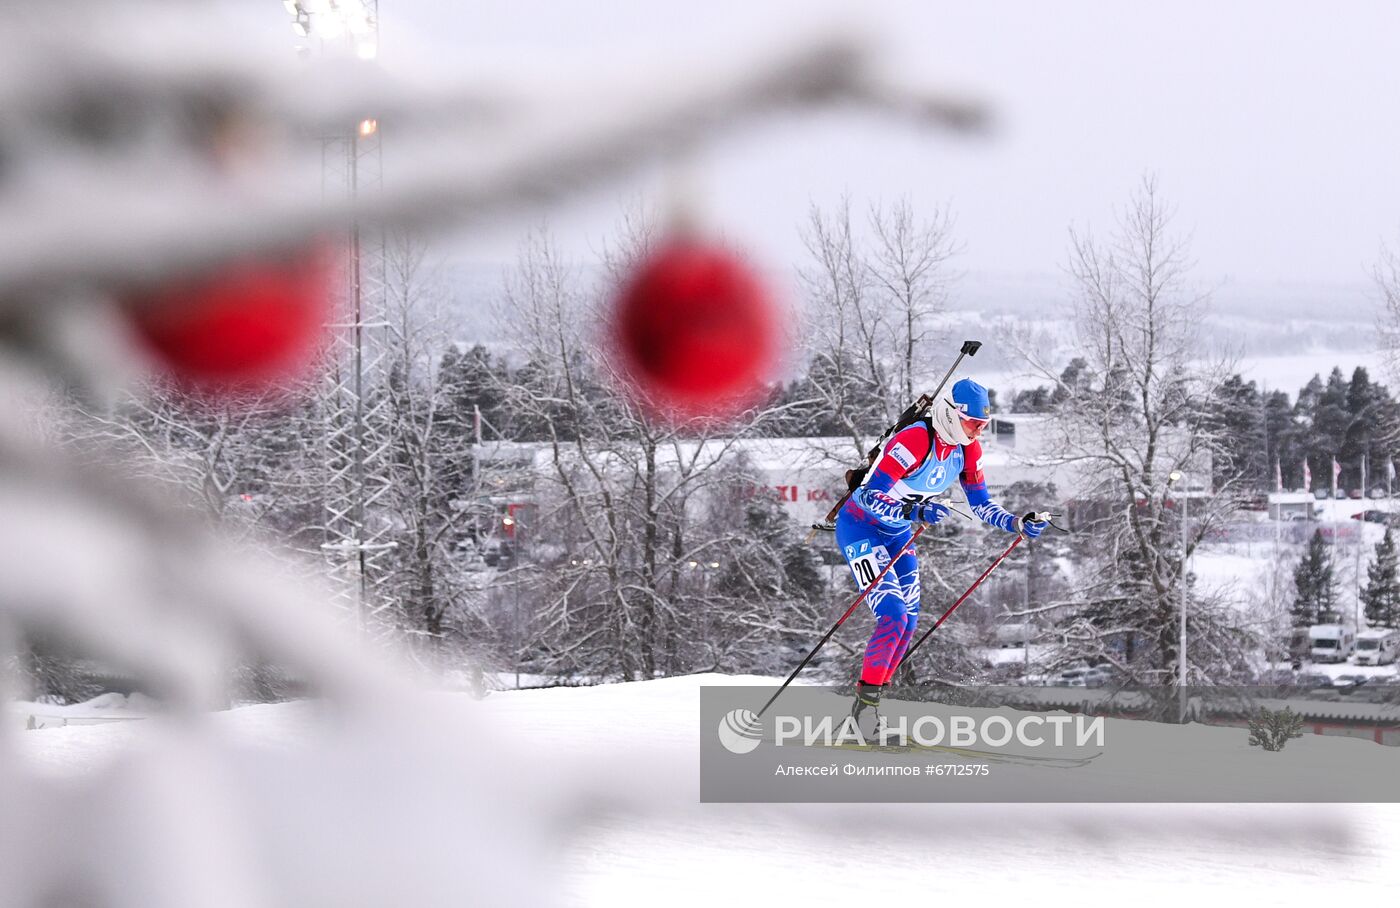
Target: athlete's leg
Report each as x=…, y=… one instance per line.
x=867, y=549
x=906, y=573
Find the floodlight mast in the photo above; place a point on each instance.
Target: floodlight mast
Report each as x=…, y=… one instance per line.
x=355, y=420
x=334, y=20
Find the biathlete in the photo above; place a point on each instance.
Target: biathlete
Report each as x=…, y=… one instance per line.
x=919, y=462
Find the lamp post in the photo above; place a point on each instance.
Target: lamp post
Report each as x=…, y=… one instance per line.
x=1174, y=478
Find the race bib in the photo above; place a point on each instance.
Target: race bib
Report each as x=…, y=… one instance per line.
x=867, y=567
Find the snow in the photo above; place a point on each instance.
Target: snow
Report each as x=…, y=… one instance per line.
x=109, y=707
x=1289, y=373
x=1016, y=655
x=828, y=854
x=655, y=844
x=1222, y=569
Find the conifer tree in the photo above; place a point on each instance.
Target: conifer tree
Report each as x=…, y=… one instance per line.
x=1315, y=585
x=1284, y=445
x=1238, y=414
x=1382, y=595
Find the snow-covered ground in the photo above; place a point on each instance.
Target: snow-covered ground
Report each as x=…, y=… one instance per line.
x=1278, y=348
x=656, y=844
x=1290, y=372
x=109, y=707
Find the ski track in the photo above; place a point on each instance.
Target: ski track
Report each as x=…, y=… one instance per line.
x=707, y=854
x=653, y=843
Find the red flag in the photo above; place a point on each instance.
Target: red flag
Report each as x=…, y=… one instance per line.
x=1336, y=472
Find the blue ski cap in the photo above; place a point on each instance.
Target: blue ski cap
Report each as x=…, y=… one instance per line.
x=971, y=400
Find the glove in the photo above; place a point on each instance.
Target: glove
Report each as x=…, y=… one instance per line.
x=1031, y=525
x=925, y=511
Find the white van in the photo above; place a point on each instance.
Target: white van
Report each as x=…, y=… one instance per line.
x=1330, y=642
x=1377, y=646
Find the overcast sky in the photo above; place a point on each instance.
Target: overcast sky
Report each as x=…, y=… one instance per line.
x=1272, y=127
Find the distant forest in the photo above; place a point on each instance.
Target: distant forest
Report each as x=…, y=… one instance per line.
x=1354, y=420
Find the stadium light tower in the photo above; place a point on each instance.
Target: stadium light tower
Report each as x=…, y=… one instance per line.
x=355, y=21
x=355, y=424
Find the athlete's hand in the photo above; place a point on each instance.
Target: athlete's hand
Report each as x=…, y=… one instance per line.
x=925, y=511
x=1032, y=525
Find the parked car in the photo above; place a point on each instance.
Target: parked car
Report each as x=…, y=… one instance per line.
x=1312, y=680
x=1377, y=693
x=1070, y=677
x=1346, y=683
x=1355, y=493
x=1098, y=676
x=1376, y=493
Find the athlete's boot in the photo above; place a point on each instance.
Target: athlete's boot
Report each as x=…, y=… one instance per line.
x=865, y=711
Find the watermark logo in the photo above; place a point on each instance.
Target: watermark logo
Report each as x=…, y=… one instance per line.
x=740, y=731
x=930, y=731
x=1022, y=744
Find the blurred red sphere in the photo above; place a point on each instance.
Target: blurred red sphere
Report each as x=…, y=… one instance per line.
x=696, y=331
x=248, y=324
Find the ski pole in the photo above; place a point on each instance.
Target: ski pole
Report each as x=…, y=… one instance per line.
x=976, y=583
x=842, y=620
x=969, y=348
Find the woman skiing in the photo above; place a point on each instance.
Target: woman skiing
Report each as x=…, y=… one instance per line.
x=920, y=461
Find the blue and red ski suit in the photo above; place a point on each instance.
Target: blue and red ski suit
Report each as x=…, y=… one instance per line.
x=914, y=466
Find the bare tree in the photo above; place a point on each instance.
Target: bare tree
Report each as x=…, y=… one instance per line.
x=644, y=520
x=227, y=453
x=871, y=308
x=1135, y=431
x=909, y=263
x=845, y=371
x=1386, y=274
x=427, y=449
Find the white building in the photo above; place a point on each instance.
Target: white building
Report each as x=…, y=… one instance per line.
x=1292, y=506
x=808, y=474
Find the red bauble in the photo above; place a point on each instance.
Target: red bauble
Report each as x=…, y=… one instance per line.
x=248, y=324
x=696, y=331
